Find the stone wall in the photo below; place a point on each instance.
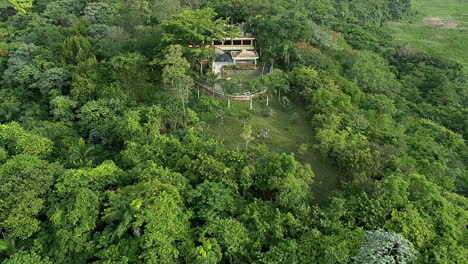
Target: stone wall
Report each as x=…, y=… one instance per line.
x=257, y=71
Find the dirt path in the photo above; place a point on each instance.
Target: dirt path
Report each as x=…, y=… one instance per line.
x=437, y=21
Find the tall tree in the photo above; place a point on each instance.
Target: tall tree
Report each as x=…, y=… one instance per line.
x=175, y=74
x=277, y=82
x=22, y=6
x=385, y=247
x=277, y=36
x=25, y=183
x=194, y=30
x=130, y=72
x=76, y=49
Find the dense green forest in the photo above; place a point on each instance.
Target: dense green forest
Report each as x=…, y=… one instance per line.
x=107, y=154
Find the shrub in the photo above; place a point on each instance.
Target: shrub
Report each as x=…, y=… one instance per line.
x=284, y=103
x=264, y=133
x=293, y=117
x=246, y=67
x=303, y=148
x=268, y=112
x=240, y=67
x=229, y=67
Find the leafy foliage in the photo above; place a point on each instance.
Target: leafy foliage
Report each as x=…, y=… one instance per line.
x=384, y=247
x=107, y=156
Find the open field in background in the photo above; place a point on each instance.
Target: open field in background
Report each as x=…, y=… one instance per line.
x=440, y=26
x=286, y=134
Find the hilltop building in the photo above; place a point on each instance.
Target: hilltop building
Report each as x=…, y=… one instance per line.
x=235, y=51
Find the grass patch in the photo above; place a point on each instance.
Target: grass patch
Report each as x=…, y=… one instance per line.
x=285, y=134
x=242, y=78
x=240, y=82
x=439, y=26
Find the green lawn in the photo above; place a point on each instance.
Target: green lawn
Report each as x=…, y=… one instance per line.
x=284, y=136
x=242, y=78
x=241, y=82
x=449, y=39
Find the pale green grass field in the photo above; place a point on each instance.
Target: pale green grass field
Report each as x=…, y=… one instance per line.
x=451, y=43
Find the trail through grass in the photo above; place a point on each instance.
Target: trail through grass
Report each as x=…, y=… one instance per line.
x=439, y=26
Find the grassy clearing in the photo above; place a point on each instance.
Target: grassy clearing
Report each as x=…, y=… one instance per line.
x=242, y=78
x=285, y=135
x=241, y=82
x=439, y=26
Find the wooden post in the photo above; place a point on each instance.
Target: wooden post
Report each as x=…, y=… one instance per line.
x=250, y=103
x=267, y=99
x=229, y=103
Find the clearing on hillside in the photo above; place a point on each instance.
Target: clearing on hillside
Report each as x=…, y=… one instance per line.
x=439, y=26
x=281, y=130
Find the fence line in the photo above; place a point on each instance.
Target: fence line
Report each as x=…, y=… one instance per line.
x=221, y=95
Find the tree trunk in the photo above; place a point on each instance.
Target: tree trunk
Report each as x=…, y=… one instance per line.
x=185, y=114
x=183, y=106
x=201, y=67
x=198, y=92
x=267, y=99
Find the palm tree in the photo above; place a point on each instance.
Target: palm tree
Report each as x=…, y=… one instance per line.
x=289, y=51
x=123, y=217
x=8, y=246
x=30, y=114
x=81, y=154
x=6, y=112
x=9, y=107
x=212, y=79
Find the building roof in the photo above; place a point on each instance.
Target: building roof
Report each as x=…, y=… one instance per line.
x=244, y=54
x=219, y=51
x=223, y=58
x=239, y=38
